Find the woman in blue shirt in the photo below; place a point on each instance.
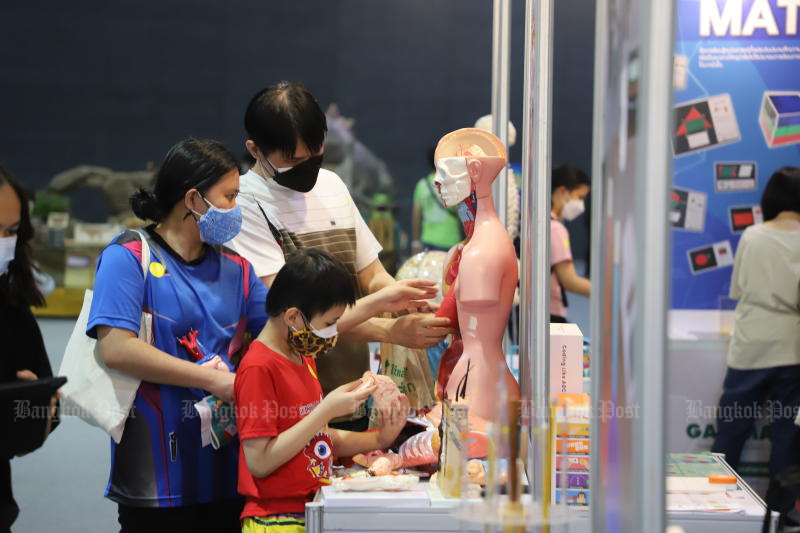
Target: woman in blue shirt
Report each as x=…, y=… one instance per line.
x=202, y=298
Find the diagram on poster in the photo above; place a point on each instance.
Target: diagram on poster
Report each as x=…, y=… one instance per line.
x=688, y=211
x=711, y=257
x=743, y=217
x=780, y=118
x=734, y=176
x=704, y=124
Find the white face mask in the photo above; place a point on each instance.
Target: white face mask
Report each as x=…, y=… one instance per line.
x=278, y=170
x=573, y=209
x=8, y=247
x=452, y=179
x=325, y=333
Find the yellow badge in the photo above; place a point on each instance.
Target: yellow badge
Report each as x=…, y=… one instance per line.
x=157, y=269
x=312, y=372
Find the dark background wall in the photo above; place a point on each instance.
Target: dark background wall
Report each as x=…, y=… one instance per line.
x=116, y=83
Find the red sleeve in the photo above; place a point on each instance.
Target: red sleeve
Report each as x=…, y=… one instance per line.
x=256, y=400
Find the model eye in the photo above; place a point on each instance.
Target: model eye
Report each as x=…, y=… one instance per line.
x=322, y=450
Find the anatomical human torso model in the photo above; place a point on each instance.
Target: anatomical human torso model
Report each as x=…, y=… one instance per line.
x=488, y=274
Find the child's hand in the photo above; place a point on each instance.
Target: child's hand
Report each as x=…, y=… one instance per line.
x=392, y=422
x=346, y=399
x=405, y=294
x=216, y=363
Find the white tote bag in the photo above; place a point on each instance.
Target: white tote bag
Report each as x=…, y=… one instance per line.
x=95, y=393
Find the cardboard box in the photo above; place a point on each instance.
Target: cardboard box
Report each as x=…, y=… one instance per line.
x=566, y=359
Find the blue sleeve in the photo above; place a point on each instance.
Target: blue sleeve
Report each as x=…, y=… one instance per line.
x=118, y=291
x=256, y=304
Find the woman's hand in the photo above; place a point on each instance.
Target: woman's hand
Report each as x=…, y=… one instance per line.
x=27, y=375
x=393, y=422
x=222, y=385
x=346, y=399
x=404, y=295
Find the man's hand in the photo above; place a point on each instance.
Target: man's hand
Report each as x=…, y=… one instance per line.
x=419, y=330
x=405, y=294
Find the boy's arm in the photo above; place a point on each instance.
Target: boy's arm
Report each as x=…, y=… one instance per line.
x=264, y=455
x=349, y=443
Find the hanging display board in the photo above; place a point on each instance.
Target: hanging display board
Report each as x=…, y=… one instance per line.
x=736, y=120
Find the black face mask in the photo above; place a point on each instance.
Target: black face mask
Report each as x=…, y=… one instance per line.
x=302, y=177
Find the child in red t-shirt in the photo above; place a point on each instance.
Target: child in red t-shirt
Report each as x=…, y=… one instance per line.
x=282, y=417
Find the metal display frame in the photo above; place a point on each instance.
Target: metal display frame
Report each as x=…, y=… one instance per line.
x=534, y=341
x=644, y=480
x=650, y=337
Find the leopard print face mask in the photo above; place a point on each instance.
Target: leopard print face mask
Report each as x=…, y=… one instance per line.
x=311, y=342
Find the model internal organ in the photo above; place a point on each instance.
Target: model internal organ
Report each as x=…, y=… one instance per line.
x=421, y=449
x=387, y=397
x=466, y=160
x=379, y=463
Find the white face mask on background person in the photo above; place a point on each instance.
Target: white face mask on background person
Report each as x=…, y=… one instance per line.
x=8, y=248
x=452, y=179
x=573, y=209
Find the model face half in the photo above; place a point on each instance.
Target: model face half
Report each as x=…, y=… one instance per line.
x=452, y=180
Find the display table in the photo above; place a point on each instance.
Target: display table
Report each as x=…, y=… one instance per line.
x=437, y=515
x=698, y=348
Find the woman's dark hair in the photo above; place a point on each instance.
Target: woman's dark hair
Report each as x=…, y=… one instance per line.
x=311, y=281
x=19, y=286
x=278, y=116
x=782, y=193
x=568, y=176
x=190, y=164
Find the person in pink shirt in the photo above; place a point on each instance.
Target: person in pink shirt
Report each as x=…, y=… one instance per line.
x=569, y=188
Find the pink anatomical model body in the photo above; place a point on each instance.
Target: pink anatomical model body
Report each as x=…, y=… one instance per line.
x=488, y=272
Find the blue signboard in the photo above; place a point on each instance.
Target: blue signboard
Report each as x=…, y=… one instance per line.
x=736, y=121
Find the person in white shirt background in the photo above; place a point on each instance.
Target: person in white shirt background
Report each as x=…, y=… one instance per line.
x=763, y=361
x=289, y=202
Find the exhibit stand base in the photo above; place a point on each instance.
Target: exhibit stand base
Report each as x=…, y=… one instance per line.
x=438, y=514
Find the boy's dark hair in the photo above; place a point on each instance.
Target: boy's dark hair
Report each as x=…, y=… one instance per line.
x=279, y=116
x=311, y=281
x=568, y=176
x=782, y=193
x=19, y=286
x=190, y=164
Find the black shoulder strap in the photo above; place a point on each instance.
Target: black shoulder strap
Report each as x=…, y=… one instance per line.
x=272, y=228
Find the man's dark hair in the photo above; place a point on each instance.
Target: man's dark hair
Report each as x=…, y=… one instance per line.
x=311, y=281
x=782, y=193
x=569, y=176
x=19, y=286
x=279, y=116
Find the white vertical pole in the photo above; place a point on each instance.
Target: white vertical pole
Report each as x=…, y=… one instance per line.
x=598, y=252
x=654, y=165
x=501, y=36
x=535, y=230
